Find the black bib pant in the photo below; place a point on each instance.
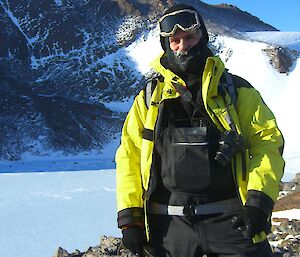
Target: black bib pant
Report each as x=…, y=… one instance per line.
x=189, y=175
x=180, y=236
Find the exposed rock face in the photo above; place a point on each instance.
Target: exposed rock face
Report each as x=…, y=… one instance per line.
x=60, y=61
x=289, y=197
x=291, y=201
x=49, y=121
x=229, y=20
x=282, y=59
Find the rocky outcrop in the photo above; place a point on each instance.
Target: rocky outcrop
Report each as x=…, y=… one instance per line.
x=37, y=123
x=109, y=246
x=292, y=201
x=282, y=59
x=289, y=196
x=286, y=235
x=291, y=186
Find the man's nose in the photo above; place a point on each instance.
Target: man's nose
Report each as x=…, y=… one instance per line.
x=183, y=45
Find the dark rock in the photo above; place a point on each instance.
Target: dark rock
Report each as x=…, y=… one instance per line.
x=297, y=178
x=109, y=246
x=282, y=59
x=61, y=253
x=37, y=123
x=289, y=196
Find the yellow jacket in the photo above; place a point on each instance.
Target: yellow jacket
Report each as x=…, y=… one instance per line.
x=252, y=119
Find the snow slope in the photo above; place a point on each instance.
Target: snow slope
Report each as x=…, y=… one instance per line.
x=286, y=39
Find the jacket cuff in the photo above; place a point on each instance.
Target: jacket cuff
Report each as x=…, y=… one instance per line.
x=130, y=216
x=260, y=200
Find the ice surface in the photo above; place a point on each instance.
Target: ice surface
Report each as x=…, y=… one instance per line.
x=41, y=211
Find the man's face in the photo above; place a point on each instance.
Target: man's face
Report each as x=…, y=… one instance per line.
x=183, y=41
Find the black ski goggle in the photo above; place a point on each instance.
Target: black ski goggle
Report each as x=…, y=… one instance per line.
x=186, y=20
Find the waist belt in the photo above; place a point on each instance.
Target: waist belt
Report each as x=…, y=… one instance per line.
x=230, y=205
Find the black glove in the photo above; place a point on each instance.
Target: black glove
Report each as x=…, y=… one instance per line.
x=133, y=239
x=252, y=221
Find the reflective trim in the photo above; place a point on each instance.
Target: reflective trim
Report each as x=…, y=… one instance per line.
x=201, y=143
x=229, y=205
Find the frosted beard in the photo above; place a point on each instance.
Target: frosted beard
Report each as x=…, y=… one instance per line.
x=188, y=62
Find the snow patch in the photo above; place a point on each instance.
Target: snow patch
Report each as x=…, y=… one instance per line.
x=144, y=50
x=288, y=214
x=286, y=39
x=58, y=2
x=119, y=106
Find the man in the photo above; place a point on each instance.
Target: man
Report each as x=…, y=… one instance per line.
x=197, y=170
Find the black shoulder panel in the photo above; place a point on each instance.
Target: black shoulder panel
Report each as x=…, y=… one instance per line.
x=239, y=82
x=150, y=87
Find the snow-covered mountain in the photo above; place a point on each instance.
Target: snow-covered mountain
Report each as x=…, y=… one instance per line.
x=68, y=68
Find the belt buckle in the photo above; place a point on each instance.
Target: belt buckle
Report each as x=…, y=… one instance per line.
x=189, y=210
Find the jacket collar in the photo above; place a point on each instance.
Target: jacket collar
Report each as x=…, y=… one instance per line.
x=213, y=67
x=168, y=75
x=212, y=73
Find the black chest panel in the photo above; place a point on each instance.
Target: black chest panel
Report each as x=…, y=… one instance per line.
x=186, y=147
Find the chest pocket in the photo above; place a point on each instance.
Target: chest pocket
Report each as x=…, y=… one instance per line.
x=184, y=153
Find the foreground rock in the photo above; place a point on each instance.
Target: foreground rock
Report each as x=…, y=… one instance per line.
x=109, y=246
x=285, y=240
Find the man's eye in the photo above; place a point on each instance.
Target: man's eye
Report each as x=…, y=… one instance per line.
x=174, y=41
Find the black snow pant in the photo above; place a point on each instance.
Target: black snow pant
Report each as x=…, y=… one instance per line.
x=181, y=236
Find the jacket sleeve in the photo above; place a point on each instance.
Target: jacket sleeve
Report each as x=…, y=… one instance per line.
x=128, y=172
x=265, y=143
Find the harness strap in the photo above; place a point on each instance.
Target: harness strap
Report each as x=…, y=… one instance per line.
x=230, y=205
x=230, y=87
x=187, y=97
x=148, y=134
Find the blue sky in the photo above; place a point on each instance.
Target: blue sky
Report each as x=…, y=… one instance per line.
x=283, y=15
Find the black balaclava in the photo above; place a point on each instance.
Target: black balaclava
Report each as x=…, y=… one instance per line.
x=193, y=62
